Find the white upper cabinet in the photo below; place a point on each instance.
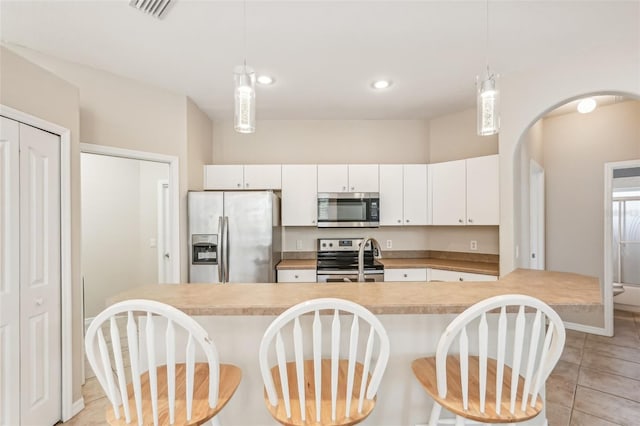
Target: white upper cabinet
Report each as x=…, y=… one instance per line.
x=347, y=178
x=391, y=195
x=299, y=200
x=403, y=194
x=483, y=191
x=262, y=176
x=363, y=178
x=466, y=192
x=333, y=178
x=448, y=186
x=237, y=176
x=224, y=176
x=415, y=194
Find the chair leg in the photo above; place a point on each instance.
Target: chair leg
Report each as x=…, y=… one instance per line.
x=435, y=414
x=459, y=421
x=215, y=421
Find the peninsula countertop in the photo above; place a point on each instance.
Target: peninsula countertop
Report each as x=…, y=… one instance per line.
x=565, y=292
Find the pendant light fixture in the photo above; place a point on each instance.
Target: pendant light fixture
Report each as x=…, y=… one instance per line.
x=488, y=95
x=245, y=90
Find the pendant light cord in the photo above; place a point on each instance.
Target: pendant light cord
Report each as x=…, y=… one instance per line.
x=487, y=35
x=244, y=32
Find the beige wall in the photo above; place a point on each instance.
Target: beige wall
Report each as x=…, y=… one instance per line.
x=124, y=113
x=323, y=142
x=119, y=220
x=453, y=137
x=199, y=144
x=528, y=95
x=576, y=147
x=33, y=90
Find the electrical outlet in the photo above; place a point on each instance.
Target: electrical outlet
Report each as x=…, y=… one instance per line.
x=473, y=245
x=389, y=244
x=298, y=244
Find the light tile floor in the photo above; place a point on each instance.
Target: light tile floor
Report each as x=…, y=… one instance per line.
x=596, y=382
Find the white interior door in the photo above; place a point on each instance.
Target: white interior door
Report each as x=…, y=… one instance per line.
x=9, y=273
x=537, y=217
x=164, y=234
x=40, y=331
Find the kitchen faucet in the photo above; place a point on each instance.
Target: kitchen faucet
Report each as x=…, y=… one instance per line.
x=376, y=247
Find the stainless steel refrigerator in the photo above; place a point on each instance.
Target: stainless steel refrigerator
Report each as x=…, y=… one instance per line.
x=234, y=237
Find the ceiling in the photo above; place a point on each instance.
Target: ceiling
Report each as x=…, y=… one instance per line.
x=323, y=54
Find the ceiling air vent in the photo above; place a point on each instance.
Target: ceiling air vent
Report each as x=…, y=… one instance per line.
x=155, y=8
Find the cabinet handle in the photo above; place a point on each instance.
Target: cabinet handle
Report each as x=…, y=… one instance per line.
x=407, y=220
x=405, y=275
x=460, y=221
x=296, y=277
x=399, y=221
x=460, y=279
x=344, y=188
x=313, y=221
x=470, y=220
x=239, y=186
x=246, y=185
x=353, y=188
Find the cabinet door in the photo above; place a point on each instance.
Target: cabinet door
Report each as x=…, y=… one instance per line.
x=483, y=191
x=297, y=276
x=448, y=182
x=363, y=178
x=223, y=176
x=406, y=275
x=333, y=178
x=391, y=198
x=263, y=176
x=415, y=194
x=469, y=276
x=442, y=275
x=299, y=200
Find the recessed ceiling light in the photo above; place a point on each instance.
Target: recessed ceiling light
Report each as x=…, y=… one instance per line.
x=265, y=80
x=381, y=84
x=586, y=105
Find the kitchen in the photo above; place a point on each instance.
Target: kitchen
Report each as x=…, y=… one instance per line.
x=107, y=102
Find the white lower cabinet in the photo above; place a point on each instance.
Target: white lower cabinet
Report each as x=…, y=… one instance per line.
x=297, y=276
x=442, y=275
x=409, y=274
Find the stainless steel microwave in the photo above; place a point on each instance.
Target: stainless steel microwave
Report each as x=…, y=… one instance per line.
x=348, y=209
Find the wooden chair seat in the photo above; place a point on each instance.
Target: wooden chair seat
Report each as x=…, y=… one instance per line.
x=201, y=412
x=278, y=411
x=425, y=371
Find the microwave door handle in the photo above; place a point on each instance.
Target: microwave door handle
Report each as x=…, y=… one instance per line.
x=220, y=250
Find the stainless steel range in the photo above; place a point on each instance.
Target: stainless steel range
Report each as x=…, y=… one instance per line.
x=338, y=261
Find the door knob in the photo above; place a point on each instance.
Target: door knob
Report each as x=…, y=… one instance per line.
x=167, y=255
x=39, y=301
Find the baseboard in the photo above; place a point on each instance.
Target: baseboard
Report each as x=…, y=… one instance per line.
x=625, y=307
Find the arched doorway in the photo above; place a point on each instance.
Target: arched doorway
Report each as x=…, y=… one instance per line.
x=568, y=231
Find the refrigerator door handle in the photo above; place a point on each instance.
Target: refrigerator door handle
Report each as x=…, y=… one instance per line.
x=226, y=249
x=220, y=250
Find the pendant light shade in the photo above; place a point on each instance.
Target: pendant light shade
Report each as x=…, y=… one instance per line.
x=245, y=99
x=488, y=104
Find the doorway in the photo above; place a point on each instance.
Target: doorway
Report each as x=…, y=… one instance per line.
x=127, y=221
x=537, y=211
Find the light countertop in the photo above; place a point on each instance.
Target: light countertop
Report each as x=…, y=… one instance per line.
x=565, y=292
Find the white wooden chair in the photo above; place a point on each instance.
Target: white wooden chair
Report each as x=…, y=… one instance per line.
x=326, y=391
x=172, y=393
x=472, y=386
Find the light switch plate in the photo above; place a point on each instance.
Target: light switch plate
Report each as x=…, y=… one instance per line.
x=298, y=244
x=473, y=245
x=389, y=244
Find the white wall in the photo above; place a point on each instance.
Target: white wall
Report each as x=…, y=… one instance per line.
x=119, y=218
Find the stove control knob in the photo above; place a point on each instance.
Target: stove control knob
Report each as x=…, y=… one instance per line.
x=324, y=244
x=330, y=244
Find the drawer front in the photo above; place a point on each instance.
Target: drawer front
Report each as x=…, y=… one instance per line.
x=442, y=275
x=410, y=274
x=297, y=276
